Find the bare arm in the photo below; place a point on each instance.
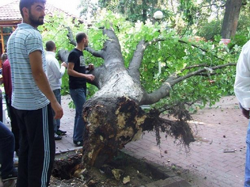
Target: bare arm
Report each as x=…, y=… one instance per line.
x=74, y=73
x=42, y=82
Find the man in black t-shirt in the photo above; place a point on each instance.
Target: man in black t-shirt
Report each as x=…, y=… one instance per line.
x=77, y=84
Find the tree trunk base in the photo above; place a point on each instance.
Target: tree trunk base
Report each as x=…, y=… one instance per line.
x=110, y=124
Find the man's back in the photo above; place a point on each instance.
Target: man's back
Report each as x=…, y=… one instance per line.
x=54, y=72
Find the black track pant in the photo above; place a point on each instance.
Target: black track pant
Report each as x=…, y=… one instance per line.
x=37, y=147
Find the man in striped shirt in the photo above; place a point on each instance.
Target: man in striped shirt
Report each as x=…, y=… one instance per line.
x=32, y=97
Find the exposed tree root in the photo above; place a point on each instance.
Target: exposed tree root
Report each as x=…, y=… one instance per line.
x=114, y=122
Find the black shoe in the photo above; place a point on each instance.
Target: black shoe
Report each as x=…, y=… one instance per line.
x=61, y=132
x=78, y=143
x=12, y=175
x=57, y=137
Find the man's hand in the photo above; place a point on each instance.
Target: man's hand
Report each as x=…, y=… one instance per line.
x=64, y=64
x=90, y=77
x=245, y=113
x=57, y=109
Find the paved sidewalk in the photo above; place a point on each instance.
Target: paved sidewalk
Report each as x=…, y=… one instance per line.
x=216, y=159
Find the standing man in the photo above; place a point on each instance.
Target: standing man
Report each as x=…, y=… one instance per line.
x=54, y=74
x=77, y=84
x=32, y=97
x=242, y=92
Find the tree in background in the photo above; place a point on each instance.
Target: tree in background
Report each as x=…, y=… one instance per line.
x=231, y=18
x=216, y=11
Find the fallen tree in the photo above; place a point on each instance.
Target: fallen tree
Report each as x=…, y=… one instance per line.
x=114, y=116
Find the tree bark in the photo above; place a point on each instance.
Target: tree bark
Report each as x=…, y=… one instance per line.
x=231, y=18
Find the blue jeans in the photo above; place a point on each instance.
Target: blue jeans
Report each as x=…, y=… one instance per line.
x=7, y=146
x=247, y=167
x=56, y=122
x=79, y=98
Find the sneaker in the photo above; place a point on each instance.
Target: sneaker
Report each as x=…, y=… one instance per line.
x=61, y=132
x=57, y=137
x=12, y=175
x=78, y=143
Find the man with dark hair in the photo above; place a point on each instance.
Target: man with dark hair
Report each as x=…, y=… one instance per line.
x=77, y=84
x=32, y=97
x=54, y=74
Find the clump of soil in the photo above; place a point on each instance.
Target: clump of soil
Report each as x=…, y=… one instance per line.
x=122, y=170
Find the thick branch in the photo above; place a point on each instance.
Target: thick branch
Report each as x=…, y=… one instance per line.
x=135, y=63
x=95, y=53
x=164, y=90
x=63, y=55
x=71, y=36
x=112, y=49
x=179, y=79
x=155, y=96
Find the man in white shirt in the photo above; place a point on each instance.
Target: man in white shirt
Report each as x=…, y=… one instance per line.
x=242, y=92
x=54, y=74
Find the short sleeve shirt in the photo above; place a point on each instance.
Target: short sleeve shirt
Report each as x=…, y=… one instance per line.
x=77, y=58
x=25, y=93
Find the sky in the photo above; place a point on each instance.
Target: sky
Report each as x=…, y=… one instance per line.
x=66, y=5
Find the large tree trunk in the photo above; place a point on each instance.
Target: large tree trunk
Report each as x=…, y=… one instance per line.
x=113, y=116
x=231, y=17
